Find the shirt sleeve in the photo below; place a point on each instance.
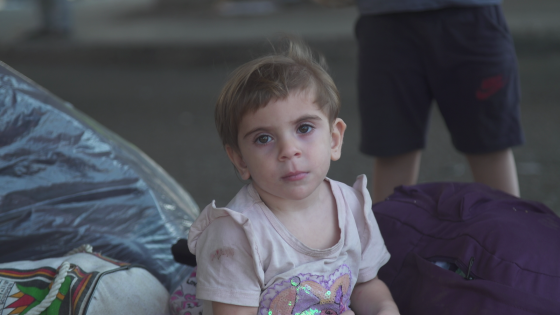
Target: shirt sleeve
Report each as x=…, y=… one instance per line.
x=374, y=251
x=225, y=264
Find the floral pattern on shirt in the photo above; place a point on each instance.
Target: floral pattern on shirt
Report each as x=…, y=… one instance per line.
x=307, y=294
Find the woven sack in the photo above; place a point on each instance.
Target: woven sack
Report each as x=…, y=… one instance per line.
x=81, y=283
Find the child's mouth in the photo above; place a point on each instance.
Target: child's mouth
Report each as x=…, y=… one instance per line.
x=293, y=176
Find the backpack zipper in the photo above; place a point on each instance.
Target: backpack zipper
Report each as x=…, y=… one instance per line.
x=463, y=270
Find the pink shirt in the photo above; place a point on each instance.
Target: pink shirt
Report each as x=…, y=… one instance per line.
x=246, y=256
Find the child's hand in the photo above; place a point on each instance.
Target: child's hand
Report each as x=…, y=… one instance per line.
x=348, y=312
x=373, y=298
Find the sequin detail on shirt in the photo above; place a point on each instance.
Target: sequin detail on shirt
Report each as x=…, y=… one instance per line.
x=307, y=294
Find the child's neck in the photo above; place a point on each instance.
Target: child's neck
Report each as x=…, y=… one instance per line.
x=313, y=220
x=284, y=206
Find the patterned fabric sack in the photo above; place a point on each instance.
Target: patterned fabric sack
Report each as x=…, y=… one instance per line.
x=464, y=248
x=79, y=283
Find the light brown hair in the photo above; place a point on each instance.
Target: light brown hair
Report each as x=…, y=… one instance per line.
x=256, y=83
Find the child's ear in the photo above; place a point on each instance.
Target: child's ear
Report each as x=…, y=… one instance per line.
x=237, y=160
x=337, y=135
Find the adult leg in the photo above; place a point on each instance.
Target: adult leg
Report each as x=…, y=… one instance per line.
x=477, y=90
x=394, y=99
x=392, y=171
x=495, y=169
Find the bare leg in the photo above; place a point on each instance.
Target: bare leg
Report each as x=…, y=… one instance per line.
x=496, y=169
x=393, y=171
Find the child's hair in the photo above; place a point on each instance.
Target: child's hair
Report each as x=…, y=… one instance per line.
x=273, y=77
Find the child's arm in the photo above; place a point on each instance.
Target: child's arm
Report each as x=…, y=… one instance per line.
x=230, y=309
x=373, y=298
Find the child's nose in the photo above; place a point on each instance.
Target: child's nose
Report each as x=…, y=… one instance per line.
x=289, y=148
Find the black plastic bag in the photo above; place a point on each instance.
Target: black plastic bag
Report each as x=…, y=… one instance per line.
x=65, y=181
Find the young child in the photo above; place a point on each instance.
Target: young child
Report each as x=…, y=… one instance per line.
x=292, y=241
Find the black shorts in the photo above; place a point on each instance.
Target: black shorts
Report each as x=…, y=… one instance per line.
x=463, y=58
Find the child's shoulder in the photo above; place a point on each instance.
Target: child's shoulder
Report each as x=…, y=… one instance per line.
x=356, y=198
x=358, y=190
x=225, y=222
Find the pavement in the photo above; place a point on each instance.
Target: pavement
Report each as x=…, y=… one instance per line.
x=143, y=31
x=152, y=74
x=139, y=31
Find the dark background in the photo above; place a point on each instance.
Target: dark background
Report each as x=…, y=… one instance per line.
x=158, y=92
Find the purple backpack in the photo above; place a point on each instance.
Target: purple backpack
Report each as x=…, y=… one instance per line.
x=464, y=248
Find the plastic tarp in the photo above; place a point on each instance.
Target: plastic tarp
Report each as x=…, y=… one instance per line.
x=65, y=181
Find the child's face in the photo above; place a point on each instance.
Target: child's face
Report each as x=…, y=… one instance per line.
x=286, y=147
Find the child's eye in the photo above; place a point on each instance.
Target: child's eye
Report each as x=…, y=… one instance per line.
x=305, y=129
x=263, y=139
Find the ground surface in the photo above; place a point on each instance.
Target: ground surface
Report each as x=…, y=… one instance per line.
x=152, y=77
